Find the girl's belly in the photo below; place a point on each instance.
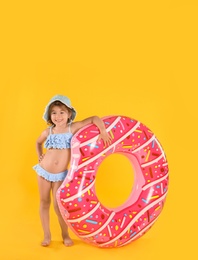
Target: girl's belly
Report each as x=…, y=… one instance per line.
x=56, y=161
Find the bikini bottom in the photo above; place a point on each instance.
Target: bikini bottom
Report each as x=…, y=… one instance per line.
x=50, y=176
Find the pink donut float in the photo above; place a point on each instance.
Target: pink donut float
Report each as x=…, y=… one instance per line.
x=79, y=205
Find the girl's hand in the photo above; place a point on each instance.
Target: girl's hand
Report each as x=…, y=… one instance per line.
x=105, y=137
x=41, y=157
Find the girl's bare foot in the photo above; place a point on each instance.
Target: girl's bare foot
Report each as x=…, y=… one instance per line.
x=46, y=241
x=67, y=240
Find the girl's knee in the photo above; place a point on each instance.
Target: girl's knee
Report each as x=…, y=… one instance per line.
x=45, y=203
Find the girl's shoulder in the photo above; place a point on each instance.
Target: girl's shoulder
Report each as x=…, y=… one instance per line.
x=46, y=132
x=43, y=136
x=73, y=127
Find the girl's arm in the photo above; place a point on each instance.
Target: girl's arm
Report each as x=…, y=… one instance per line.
x=96, y=121
x=39, y=144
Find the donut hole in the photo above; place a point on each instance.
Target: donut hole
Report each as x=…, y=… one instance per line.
x=114, y=180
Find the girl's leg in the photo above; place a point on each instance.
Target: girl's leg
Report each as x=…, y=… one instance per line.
x=44, y=191
x=64, y=228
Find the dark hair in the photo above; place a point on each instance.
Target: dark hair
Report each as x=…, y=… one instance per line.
x=59, y=104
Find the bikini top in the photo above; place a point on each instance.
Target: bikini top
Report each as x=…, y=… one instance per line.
x=58, y=141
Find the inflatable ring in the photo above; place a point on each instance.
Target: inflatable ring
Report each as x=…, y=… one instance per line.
x=79, y=205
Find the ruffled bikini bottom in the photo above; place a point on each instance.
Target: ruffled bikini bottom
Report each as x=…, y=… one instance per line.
x=50, y=176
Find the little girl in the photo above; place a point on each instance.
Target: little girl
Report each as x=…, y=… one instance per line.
x=53, y=165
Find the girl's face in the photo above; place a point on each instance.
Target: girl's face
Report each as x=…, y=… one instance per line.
x=60, y=115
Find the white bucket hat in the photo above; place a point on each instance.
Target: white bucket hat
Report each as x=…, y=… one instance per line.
x=63, y=99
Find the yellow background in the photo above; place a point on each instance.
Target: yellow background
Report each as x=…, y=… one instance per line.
x=134, y=58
